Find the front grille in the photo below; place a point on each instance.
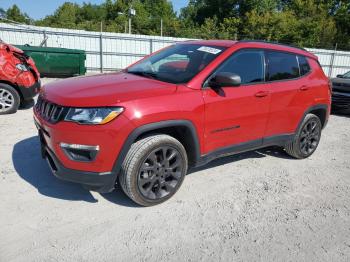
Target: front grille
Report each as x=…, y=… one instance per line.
x=49, y=111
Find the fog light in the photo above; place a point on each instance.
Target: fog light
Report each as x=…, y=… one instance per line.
x=81, y=153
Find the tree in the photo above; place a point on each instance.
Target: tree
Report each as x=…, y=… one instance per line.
x=342, y=21
x=315, y=25
x=15, y=14
x=64, y=17
x=311, y=23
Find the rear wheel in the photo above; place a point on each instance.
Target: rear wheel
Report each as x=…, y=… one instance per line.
x=9, y=99
x=153, y=169
x=307, y=138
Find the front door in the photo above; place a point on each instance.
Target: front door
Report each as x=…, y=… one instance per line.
x=238, y=115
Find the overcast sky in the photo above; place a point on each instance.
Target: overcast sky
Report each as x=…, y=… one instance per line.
x=40, y=8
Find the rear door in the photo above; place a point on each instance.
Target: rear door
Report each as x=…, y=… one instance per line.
x=290, y=91
x=235, y=115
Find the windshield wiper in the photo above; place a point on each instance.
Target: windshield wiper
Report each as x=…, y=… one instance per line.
x=143, y=73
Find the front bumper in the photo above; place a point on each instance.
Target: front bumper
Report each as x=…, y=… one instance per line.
x=100, y=182
x=100, y=173
x=340, y=100
x=31, y=91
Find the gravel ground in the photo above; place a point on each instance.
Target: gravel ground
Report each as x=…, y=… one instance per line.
x=256, y=206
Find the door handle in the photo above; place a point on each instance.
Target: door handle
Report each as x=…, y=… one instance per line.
x=262, y=94
x=304, y=88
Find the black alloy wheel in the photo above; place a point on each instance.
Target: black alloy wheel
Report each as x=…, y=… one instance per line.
x=153, y=169
x=310, y=137
x=160, y=173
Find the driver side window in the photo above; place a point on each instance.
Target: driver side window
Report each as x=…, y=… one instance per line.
x=248, y=64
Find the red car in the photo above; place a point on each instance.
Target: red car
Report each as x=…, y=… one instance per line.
x=19, y=79
x=179, y=108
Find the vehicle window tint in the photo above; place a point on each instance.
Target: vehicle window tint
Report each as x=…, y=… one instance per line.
x=281, y=66
x=178, y=63
x=248, y=64
x=304, y=65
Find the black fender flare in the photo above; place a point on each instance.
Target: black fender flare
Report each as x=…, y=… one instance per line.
x=154, y=126
x=323, y=107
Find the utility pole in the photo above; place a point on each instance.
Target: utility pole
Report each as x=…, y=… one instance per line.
x=161, y=27
x=132, y=12
x=330, y=72
x=101, y=48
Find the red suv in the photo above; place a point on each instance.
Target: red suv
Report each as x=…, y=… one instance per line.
x=181, y=107
x=19, y=78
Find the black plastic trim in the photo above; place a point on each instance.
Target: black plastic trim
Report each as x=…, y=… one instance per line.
x=100, y=182
x=31, y=91
x=235, y=149
x=154, y=126
x=312, y=108
x=278, y=140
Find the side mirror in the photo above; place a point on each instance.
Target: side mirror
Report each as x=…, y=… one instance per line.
x=225, y=79
x=339, y=76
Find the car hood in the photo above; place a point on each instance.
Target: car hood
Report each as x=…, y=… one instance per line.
x=104, y=90
x=341, y=84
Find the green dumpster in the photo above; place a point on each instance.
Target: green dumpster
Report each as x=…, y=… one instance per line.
x=57, y=62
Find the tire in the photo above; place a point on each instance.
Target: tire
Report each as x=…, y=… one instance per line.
x=149, y=178
x=9, y=99
x=307, y=138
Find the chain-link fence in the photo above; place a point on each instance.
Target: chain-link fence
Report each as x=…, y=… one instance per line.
x=114, y=51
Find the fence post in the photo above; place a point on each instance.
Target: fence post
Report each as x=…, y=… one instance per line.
x=151, y=46
x=332, y=61
x=101, y=53
x=45, y=39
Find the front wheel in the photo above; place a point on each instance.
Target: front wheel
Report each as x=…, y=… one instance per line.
x=153, y=169
x=306, y=139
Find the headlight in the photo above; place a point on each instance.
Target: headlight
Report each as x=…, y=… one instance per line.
x=93, y=116
x=22, y=67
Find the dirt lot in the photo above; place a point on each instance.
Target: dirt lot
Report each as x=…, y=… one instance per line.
x=256, y=206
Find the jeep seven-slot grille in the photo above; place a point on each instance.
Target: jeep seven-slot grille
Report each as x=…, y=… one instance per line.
x=49, y=111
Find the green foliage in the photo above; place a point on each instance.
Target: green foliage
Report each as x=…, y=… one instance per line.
x=15, y=14
x=342, y=21
x=306, y=24
x=311, y=23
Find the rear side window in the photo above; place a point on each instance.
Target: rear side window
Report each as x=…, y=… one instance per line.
x=248, y=64
x=281, y=66
x=304, y=65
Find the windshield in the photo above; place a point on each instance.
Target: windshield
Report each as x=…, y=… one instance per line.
x=178, y=63
x=346, y=75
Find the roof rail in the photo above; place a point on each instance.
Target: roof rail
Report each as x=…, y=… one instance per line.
x=271, y=42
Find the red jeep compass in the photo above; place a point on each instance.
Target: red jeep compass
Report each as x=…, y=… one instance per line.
x=179, y=108
x=19, y=78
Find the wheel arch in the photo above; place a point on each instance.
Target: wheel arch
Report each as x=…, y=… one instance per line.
x=14, y=87
x=319, y=110
x=182, y=130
